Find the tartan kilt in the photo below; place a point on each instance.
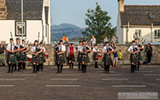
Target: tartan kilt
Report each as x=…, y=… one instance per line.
x=79, y=58
x=107, y=59
x=41, y=58
x=134, y=58
x=23, y=57
x=11, y=58
x=35, y=59
x=61, y=58
x=139, y=56
x=72, y=58
x=95, y=56
x=85, y=58
x=18, y=56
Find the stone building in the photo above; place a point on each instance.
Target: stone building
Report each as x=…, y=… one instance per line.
x=37, y=20
x=142, y=21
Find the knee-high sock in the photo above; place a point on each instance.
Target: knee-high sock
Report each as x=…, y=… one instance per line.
x=79, y=66
x=12, y=68
x=19, y=66
x=85, y=67
x=61, y=68
x=24, y=66
x=9, y=67
x=72, y=65
x=96, y=64
x=42, y=67
x=15, y=67
x=58, y=68
x=34, y=68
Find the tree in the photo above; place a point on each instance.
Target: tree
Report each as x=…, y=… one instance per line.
x=98, y=24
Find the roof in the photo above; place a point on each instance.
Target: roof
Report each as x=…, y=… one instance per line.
x=32, y=9
x=139, y=15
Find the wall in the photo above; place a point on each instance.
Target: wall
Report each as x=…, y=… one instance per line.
x=126, y=56
x=7, y=26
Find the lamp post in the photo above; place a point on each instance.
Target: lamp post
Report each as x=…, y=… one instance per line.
x=22, y=17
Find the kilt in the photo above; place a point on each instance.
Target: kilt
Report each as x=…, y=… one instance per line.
x=41, y=58
x=79, y=58
x=60, y=58
x=134, y=58
x=139, y=56
x=18, y=56
x=107, y=59
x=95, y=56
x=85, y=58
x=35, y=59
x=11, y=58
x=71, y=58
x=23, y=57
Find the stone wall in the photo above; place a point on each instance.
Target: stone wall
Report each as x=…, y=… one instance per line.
x=126, y=56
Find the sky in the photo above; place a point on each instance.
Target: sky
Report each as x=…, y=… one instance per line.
x=73, y=11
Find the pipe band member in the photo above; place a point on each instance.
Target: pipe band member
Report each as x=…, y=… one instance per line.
x=42, y=58
x=2, y=54
x=24, y=49
x=35, y=56
x=71, y=55
x=95, y=52
x=79, y=58
x=133, y=50
x=11, y=57
x=18, y=54
x=60, y=57
x=84, y=56
x=107, y=50
x=141, y=47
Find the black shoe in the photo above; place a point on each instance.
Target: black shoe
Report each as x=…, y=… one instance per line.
x=8, y=72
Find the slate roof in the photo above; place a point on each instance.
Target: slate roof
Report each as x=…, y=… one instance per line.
x=139, y=15
x=32, y=9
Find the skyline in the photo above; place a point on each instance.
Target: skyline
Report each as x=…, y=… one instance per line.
x=72, y=11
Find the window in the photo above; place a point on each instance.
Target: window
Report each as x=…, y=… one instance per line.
x=19, y=29
x=157, y=33
x=137, y=33
x=151, y=16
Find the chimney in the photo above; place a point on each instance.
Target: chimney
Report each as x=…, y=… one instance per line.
x=121, y=5
x=3, y=9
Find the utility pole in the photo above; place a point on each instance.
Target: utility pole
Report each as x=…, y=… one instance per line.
x=22, y=17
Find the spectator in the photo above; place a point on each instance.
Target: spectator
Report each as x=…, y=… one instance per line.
x=115, y=59
x=105, y=40
x=113, y=40
x=93, y=41
x=2, y=54
x=64, y=39
x=149, y=53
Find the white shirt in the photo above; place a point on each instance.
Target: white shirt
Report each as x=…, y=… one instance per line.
x=93, y=40
x=17, y=45
x=42, y=48
x=33, y=49
x=79, y=48
x=107, y=47
x=130, y=49
x=95, y=49
x=62, y=48
x=9, y=47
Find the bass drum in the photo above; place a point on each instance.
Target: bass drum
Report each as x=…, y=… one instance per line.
x=29, y=57
x=99, y=56
x=46, y=55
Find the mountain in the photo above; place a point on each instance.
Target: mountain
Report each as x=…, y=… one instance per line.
x=65, y=27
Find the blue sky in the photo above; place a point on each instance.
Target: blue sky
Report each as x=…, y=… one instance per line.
x=73, y=11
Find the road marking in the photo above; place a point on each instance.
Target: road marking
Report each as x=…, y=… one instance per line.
x=65, y=79
x=69, y=74
x=103, y=71
x=129, y=86
x=24, y=74
x=12, y=79
x=63, y=86
x=144, y=71
x=114, y=79
x=112, y=74
x=151, y=74
x=6, y=85
x=158, y=79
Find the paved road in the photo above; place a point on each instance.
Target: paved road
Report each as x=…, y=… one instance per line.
x=74, y=85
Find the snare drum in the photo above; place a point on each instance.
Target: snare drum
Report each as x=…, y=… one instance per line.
x=46, y=55
x=99, y=56
x=29, y=57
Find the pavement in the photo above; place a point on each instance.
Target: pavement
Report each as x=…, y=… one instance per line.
x=74, y=85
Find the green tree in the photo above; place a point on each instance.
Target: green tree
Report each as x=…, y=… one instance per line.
x=98, y=24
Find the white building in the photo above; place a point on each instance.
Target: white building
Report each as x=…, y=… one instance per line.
x=142, y=21
x=37, y=20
